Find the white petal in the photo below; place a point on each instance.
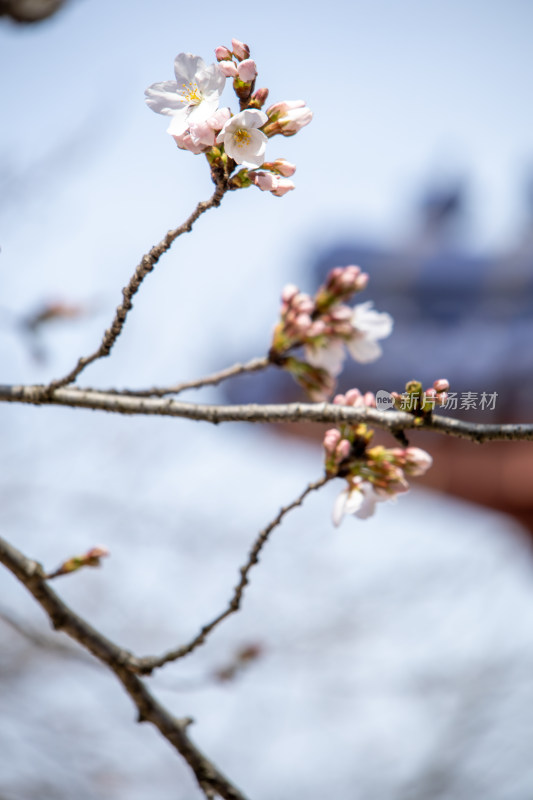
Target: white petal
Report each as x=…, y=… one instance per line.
x=179, y=123
x=363, y=348
x=339, y=506
x=368, y=501
x=330, y=358
x=163, y=97
x=251, y=118
x=377, y=324
x=186, y=66
x=355, y=499
x=202, y=111
x=211, y=80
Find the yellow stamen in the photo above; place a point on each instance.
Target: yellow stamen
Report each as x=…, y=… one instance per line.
x=191, y=93
x=241, y=137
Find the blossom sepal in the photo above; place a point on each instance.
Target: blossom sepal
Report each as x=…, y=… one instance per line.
x=241, y=180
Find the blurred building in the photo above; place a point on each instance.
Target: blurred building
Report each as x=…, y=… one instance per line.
x=461, y=316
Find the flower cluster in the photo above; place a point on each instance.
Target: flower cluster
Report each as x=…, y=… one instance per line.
x=373, y=474
x=200, y=126
x=324, y=326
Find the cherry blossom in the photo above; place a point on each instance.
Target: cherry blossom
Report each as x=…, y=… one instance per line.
x=242, y=140
x=192, y=98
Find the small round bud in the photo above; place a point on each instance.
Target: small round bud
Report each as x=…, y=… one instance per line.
x=441, y=385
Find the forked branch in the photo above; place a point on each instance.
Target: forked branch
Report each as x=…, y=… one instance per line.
x=212, y=782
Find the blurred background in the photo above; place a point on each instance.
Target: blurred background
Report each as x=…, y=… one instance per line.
x=390, y=658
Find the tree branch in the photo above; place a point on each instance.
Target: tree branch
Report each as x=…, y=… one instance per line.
x=393, y=421
x=145, y=266
x=31, y=574
x=149, y=663
x=254, y=365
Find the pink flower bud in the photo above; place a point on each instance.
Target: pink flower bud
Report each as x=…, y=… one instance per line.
x=341, y=314
x=240, y=50
x=185, y=142
x=259, y=98
x=334, y=275
x=268, y=182
x=348, y=277
x=339, y=400
x=331, y=439
x=264, y=180
x=318, y=328
x=417, y=461
x=281, y=109
x=281, y=166
x=441, y=385
x=303, y=322
x=399, y=455
x=202, y=134
x=222, y=53
x=283, y=185
x=343, y=450
x=289, y=292
x=370, y=399
x=295, y=121
x=303, y=303
x=97, y=552
x=354, y=397
x=287, y=117
x=247, y=70
x=361, y=282
x=228, y=69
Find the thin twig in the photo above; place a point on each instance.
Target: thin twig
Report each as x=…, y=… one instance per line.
x=329, y=413
x=254, y=365
x=147, y=664
x=145, y=266
x=32, y=575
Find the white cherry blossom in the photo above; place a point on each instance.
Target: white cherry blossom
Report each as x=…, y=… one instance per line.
x=192, y=98
x=242, y=140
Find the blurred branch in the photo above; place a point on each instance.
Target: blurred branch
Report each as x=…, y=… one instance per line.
x=44, y=642
x=149, y=663
x=29, y=10
x=254, y=365
x=31, y=574
x=145, y=266
x=329, y=413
